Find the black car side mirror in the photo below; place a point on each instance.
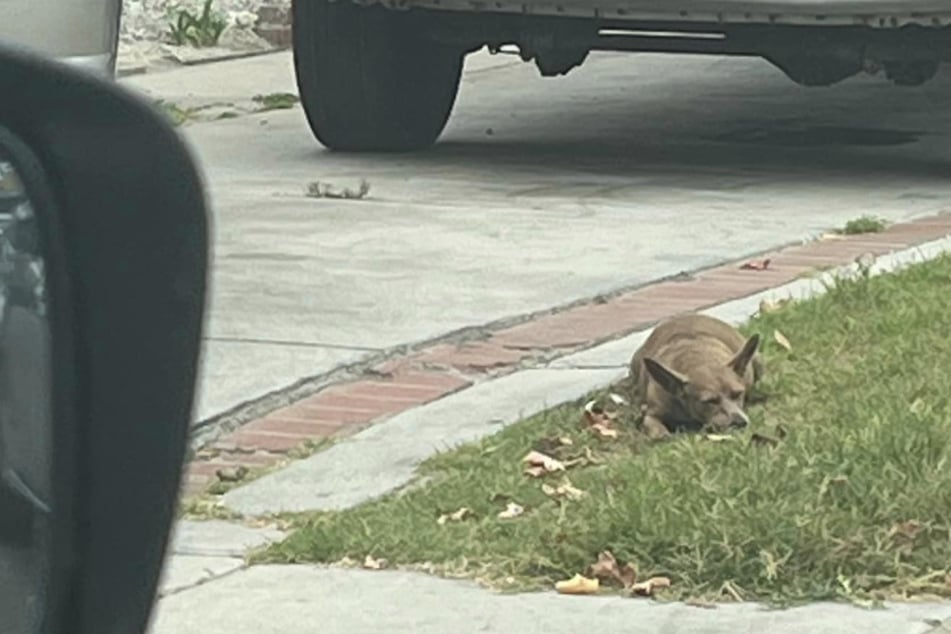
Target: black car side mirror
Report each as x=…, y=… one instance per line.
x=103, y=257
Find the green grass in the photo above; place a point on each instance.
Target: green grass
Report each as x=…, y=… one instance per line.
x=200, y=30
x=178, y=115
x=864, y=224
x=276, y=101
x=853, y=503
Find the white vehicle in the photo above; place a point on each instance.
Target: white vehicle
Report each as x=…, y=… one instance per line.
x=383, y=74
x=84, y=33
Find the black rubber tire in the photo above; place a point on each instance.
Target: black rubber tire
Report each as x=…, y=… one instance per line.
x=369, y=79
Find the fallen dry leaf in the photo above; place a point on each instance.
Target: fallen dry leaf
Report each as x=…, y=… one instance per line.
x=647, y=588
x=594, y=414
x=832, y=236
x=782, y=340
x=539, y=464
x=607, y=569
x=604, y=431
x=370, y=563
x=456, y=516
x=512, y=510
x=563, y=490
x=756, y=265
x=719, y=438
x=599, y=420
x=578, y=584
x=565, y=441
x=767, y=306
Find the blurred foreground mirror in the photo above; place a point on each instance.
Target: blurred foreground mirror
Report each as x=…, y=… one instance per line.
x=103, y=258
x=27, y=502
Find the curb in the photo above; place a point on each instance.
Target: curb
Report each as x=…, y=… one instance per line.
x=441, y=369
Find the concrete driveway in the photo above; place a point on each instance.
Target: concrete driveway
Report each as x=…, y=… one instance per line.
x=542, y=192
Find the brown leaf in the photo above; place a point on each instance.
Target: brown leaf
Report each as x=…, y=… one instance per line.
x=578, y=584
x=647, y=588
x=607, y=569
x=756, y=265
x=547, y=464
x=370, y=563
x=782, y=340
x=457, y=516
x=763, y=440
x=512, y=510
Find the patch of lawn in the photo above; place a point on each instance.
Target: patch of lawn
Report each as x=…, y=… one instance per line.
x=854, y=502
x=863, y=224
x=276, y=101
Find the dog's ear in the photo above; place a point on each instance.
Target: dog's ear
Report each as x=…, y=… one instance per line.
x=741, y=361
x=672, y=382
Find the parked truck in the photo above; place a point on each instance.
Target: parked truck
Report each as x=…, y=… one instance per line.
x=382, y=75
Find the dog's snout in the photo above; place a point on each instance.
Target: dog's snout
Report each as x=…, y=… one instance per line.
x=739, y=420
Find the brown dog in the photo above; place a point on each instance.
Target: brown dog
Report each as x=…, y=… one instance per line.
x=693, y=373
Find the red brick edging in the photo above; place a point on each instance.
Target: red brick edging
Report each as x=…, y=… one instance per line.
x=406, y=382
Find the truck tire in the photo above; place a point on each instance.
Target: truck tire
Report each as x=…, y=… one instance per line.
x=369, y=79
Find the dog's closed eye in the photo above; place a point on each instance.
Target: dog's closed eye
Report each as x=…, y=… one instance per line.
x=736, y=395
x=711, y=399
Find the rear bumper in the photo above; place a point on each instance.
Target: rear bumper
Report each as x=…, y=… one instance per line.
x=84, y=33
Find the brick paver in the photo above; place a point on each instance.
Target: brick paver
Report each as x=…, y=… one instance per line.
x=414, y=379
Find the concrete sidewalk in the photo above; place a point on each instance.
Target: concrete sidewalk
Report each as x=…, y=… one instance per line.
x=306, y=599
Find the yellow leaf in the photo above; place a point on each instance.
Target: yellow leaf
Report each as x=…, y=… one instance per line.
x=564, y=490
x=578, y=584
x=647, y=588
x=605, y=431
x=456, y=516
x=782, y=341
x=512, y=510
x=374, y=564
x=767, y=306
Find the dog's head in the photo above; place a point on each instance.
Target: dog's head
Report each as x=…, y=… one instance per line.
x=711, y=394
